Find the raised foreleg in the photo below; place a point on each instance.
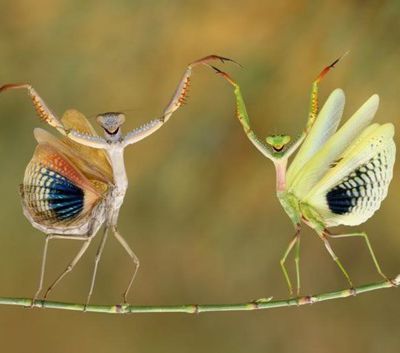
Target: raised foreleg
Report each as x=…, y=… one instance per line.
x=177, y=100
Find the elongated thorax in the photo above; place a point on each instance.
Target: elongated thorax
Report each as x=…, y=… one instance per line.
x=116, y=156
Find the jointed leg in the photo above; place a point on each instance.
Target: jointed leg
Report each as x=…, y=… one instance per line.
x=314, y=94
x=297, y=263
x=40, y=106
x=44, y=258
x=70, y=266
x=42, y=269
x=180, y=95
x=49, y=117
x=177, y=100
x=371, y=251
x=243, y=117
x=323, y=235
x=134, y=258
x=96, y=263
x=293, y=242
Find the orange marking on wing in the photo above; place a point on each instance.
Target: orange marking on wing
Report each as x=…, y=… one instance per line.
x=51, y=158
x=88, y=161
x=96, y=158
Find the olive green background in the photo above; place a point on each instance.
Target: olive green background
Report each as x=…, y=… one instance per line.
x=201, y=211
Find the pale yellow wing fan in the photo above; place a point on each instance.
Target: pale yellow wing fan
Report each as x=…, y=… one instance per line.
x=328, y=153
x=353, y=188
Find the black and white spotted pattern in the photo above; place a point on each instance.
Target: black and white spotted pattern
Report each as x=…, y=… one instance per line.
x=362, y=191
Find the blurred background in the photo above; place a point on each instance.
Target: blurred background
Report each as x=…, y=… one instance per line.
x=201, y=211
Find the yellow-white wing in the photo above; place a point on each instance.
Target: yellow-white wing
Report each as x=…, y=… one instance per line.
x=319, y=164
x=325, y=126
x=355, y=185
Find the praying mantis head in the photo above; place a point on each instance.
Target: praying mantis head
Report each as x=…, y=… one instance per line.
x=111, y=123
x=278, y=144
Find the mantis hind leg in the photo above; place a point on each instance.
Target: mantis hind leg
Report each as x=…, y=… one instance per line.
x=297, y=263
x=42, y=268
x=134, y=258
x=44, y=258
x=371, y=251
x=295, y=241
x=323, y=236
x=71, y=265
x=96, y=263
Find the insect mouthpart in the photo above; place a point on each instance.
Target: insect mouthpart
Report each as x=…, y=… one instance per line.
x=111, y=122
x=278, y=142
x=112, y=132
x=278, y=148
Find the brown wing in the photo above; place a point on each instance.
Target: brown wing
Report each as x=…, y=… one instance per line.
x=55, y=191
x=72, y=119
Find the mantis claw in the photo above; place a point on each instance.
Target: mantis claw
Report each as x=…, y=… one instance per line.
x=329, y=67
x=14, y=86
x=209, y=58
x=224, y=74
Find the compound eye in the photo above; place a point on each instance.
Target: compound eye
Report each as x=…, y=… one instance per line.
x=270, y=140
x=121, y=119
x=100, y=119
x=286, y=139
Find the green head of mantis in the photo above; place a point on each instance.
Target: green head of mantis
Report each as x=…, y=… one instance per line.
x=278, y=144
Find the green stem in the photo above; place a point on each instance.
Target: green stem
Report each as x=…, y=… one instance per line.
x=265, y=303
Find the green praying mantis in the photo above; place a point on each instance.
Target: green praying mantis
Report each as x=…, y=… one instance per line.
x=338, y=177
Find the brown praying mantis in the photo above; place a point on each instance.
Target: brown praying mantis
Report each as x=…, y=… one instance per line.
x=74, y=185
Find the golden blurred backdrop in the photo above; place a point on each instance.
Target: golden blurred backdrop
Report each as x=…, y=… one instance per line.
x=201, y=211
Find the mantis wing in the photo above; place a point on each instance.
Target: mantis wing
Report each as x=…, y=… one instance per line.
x=89, y=167
x=72, y=119
x=55, y=191
x=325, y=126
x=318, y=165
x=353, y=188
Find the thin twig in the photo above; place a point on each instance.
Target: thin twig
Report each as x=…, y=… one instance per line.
x=260, y=304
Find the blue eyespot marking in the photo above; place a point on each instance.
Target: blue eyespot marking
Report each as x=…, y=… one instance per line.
x=51, y=196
